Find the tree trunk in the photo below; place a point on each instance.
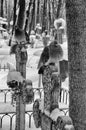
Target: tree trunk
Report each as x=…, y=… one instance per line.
x=32, y=16
x=27, y=17
x=20, y=104
x=48, y=15
x=35, y=12
x=44, y=15
x=6, y=8
x=2, y=8
x=51, y=8
x=59, y=8
x=9, y=13
x=33, y=19
x=62, y=10
x=38, y=4
x=41, y=11
x=21, y=15
x=53, y=11
x=20, y=66
x=76, y=30
x=14, y=15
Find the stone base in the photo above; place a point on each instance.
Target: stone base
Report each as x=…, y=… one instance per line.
x=46, y=122
x=62, y=122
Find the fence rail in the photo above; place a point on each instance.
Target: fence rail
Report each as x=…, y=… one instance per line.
x=64, y=97
x=30, y=116
x=4, y=67
x=64, y=94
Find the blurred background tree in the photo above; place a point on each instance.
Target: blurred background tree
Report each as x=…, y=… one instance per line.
x=37, y=11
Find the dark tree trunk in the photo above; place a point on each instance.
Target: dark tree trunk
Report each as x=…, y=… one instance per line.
x=32, y=16
x=21, y=15
x=21, y=67
x=2, y=8
x=38, y=4
x=27, y=17
x=41, y=11
x=53, y=11
x=59, y=8
x=33, y=21
x=14, y=15
x=6, y=8
x=44, y=15
x=76, y=30
x=49, y=15
x=9, y=13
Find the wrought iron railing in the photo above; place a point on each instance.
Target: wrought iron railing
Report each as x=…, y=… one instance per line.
x=29, y=113
x=64, y=95
x=5, y=95
x=12, y=114
x=4, y=67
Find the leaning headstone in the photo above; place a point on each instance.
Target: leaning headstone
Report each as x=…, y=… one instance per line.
x=64, y=123
x=36, y=113
x=69, y=127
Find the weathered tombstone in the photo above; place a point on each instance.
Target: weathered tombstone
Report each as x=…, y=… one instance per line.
x=50, y=117
x=46, y=122
x=37, y=113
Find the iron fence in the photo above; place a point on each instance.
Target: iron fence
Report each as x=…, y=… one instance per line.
x=4, y=67
x=64, y=95
x=29, y=113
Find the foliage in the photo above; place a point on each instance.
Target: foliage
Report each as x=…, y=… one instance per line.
x=21, y=89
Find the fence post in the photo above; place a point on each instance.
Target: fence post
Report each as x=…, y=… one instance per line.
x=21, y=59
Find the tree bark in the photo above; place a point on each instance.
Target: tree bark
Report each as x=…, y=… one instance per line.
x=76, y=30
x=59, y=8
x=41, y=11
x=48, y=15
x=28, y=14
x=21, y=67
x=32, y=16
x=9, y=13
x=20, y=104
x=44, y=15
x=14, y=15
x=38, y=4
x=51, y=12
x=21, y=15
x=2, y=8
x=6, y=8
